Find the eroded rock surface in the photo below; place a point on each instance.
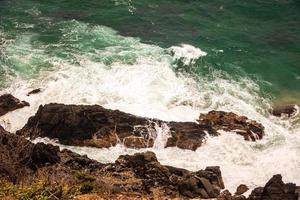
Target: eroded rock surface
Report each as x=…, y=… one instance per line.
x=24, y=162
x=228, y=121
x=10, y=103
x=275, y=189
x=96, y=126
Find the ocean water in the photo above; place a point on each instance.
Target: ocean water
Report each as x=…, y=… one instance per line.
x=165, y=59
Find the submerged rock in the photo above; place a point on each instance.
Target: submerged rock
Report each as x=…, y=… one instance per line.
x=275, y=189
x=286, y=110
x=35, y=91
x=96, y=126
x=141, y=173
x=228, y=121
x=10, y=103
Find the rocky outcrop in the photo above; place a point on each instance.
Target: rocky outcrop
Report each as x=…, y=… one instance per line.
x=99, y=127
x=286, y=110
x=275, y=189
x=228, y=121
x=23, y=161
x=10, y=103
x=152, y=177
x=141, y=173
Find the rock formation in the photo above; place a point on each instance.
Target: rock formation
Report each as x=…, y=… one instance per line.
x=229, y=121
x=96, y=126
x=10, y=103
x=275, y=189
x=286, y=110
x=24, y=162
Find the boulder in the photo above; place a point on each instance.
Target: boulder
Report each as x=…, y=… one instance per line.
x=241, y=189
x=93, y=125
x=10, y=103
x=275, y=189
x=285, y=110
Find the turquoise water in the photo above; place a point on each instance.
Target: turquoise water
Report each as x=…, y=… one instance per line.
x=259, y=40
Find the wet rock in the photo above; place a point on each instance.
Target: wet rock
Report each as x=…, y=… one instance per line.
x=96, y=126
x=10, y=103
x=141, y=173
x=168, y=179
x=241, y=189
x=228, y=121
x=188, y=135
x=275, y=189
x=136, y=142
x=83, y=125
x=226, y=195
x=286, y=110
x=35, y=91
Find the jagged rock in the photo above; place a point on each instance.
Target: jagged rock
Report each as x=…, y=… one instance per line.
x=229, y=121
x=286, y=110
x=10, y=103
x=275, y=189
x=241, y=189
x=23, y=161
x=96, y=126
x=141, y=173
x=145, y=166
x=226, y=195
x=43, y=154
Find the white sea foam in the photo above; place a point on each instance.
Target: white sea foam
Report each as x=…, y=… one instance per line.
x=149, y=87
x=188, y=54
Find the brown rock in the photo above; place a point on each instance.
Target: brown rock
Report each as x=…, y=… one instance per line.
x=23, y=161
x=99, y=127
x=137, y=142
x=9, y=103
x=226, y=195
x=275, y=189
x=228, y=121
x=170, y=180
x=141, y=173
x=241, y=189
x=286, y=110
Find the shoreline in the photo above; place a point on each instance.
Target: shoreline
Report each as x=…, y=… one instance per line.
x=120, y=114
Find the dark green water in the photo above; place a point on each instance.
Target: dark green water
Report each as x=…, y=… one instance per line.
x=259, y=39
